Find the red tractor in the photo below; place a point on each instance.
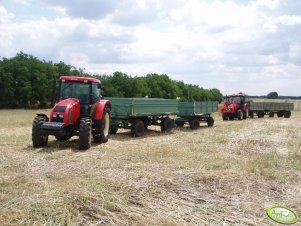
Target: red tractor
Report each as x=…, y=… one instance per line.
x=235, y=106
x=80, y=111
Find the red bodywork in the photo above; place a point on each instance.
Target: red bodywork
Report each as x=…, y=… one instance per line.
x=232, y=103
x=68, y=112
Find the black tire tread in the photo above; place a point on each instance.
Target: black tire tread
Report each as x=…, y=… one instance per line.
x=84, y=141
x=37, y=139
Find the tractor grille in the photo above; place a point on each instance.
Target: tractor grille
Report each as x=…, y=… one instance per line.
x=57, y=119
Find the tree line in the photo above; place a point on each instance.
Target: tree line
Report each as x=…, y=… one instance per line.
x=26, y=82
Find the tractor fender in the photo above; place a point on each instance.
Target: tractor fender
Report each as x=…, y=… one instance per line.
x=97, y=111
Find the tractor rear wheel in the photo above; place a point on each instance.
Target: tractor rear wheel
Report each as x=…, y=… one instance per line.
x=239, y=114
x=85, y=130
x=166, y=125
x=138, y=128
x=38, y=139
x=194, y=124
x=103, y=130
x=210, y=121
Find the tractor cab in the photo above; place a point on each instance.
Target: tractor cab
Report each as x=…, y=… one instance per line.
x=86, y=90
x=240, y=99
x=235, y=106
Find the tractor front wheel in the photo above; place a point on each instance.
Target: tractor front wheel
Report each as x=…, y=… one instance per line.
x=85, y=130
x=103, y=132
x=38, y=139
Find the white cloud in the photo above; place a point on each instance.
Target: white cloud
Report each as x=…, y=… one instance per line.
x=5, y=16
x=211, y=43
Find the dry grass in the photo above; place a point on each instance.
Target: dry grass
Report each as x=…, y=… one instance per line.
x=225, y=175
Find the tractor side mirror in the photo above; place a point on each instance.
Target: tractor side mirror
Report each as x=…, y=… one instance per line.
x=99, y=85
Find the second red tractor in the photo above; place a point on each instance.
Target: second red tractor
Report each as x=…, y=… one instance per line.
x=235, y=106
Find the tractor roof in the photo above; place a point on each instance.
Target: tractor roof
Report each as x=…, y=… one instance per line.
x=78, y=79
x=238, y=94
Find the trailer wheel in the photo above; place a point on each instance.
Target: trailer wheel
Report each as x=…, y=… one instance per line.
x=239, y=114
x=103, y=131
x=287, y=114
x=271, y=114
x=260, y=114
x=85, y=130
x=210, y=121
x=194, y=124
x=180, y=123
x=166, y=125
x=63, y=138
x=280, y=114
x=113, y=129
x=38, y=140
x=138, y=128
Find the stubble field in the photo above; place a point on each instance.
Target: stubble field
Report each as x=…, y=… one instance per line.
x=225, y=175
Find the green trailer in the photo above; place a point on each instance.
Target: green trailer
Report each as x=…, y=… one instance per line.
x=270, y=108
x=194, y=113
x=139, y=113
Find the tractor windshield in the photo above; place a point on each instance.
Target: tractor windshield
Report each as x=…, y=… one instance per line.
x=78, y=90
x=239, y=99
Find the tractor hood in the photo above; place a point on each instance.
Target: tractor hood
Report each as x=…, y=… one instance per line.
x=66, y=111
x=67, y=102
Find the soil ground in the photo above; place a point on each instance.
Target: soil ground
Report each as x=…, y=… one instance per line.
x=225, y=175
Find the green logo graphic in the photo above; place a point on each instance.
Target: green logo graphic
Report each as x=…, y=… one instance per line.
x=282, y=215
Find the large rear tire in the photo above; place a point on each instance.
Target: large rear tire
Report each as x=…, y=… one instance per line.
x=85, y=130
x=138, y=128
x=239, y=114
x=38, y=139
x=166, y=125
x=103, y=130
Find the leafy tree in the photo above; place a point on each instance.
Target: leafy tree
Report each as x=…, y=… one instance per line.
x=26, y=81
x=272, y=95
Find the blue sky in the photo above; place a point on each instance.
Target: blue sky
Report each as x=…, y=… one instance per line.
x=250, y=46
